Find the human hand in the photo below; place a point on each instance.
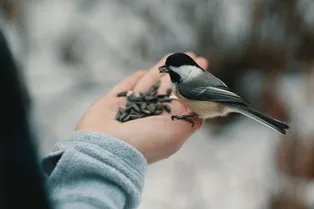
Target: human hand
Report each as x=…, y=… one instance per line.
x=156, y=137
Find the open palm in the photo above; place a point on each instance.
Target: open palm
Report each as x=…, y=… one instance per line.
x=156, y=137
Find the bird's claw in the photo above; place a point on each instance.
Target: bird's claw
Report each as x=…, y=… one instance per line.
x=190, y=121
x=183, y=117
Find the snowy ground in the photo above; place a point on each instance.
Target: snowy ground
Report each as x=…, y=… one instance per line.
x=112, y=39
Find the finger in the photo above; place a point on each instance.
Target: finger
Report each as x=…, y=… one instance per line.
x=153, y=75
x=128, y=83
x=165, y=84
x=201, y=61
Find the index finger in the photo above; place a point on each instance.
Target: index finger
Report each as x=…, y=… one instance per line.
x=127, y=84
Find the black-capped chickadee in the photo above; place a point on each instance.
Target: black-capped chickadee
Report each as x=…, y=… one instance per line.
x=207, y=96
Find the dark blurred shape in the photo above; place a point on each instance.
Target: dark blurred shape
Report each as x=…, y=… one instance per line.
x=70, y=49
x=22, y=184
x=9, y=9
x=286, y=152
x=288, y=199
x=274, y=106
x=295, y=156
x=295, y=159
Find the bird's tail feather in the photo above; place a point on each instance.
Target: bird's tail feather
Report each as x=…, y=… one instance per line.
x=259, y=117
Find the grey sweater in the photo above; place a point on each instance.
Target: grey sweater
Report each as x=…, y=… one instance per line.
x=92, y=170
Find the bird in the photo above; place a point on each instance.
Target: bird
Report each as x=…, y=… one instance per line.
x=206, y=95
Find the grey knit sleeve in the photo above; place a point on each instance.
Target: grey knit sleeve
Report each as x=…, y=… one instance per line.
x=92, y=170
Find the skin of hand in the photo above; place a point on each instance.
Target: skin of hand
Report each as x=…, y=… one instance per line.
x=156, y=137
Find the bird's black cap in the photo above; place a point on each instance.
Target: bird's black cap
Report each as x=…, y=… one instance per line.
x=179, y=59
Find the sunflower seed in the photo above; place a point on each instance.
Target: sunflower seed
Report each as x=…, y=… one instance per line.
x=162, y=95
x=129, y=103
x=147, y=112
x=149, y=98
x=156, y=85
x=127, y=118
x=133, y=112
x=132, y=97
x=157, y=112
x=151, y=107
x=122, y=94
x=136, y=108
x=143, y=106
x=149, y=93
x=118, y=115
x=128, y=108
x=123, y=115
x=153, y=93
x=159, y=106
x=165, y=99
x=138, y=99
x=167, y=108
x=169, y=91
x=135, y=117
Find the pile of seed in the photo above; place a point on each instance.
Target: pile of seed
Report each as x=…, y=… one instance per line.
x=144, y=105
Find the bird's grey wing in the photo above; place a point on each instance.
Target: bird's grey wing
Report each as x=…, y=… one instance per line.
x=203, y=91
x=213, y=80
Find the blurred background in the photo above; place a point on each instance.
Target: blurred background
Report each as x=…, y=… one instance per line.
x=72, y=52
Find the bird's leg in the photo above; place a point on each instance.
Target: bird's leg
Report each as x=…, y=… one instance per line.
x=185, y=117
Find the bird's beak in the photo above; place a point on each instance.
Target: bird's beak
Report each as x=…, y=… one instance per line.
x=163, y=69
